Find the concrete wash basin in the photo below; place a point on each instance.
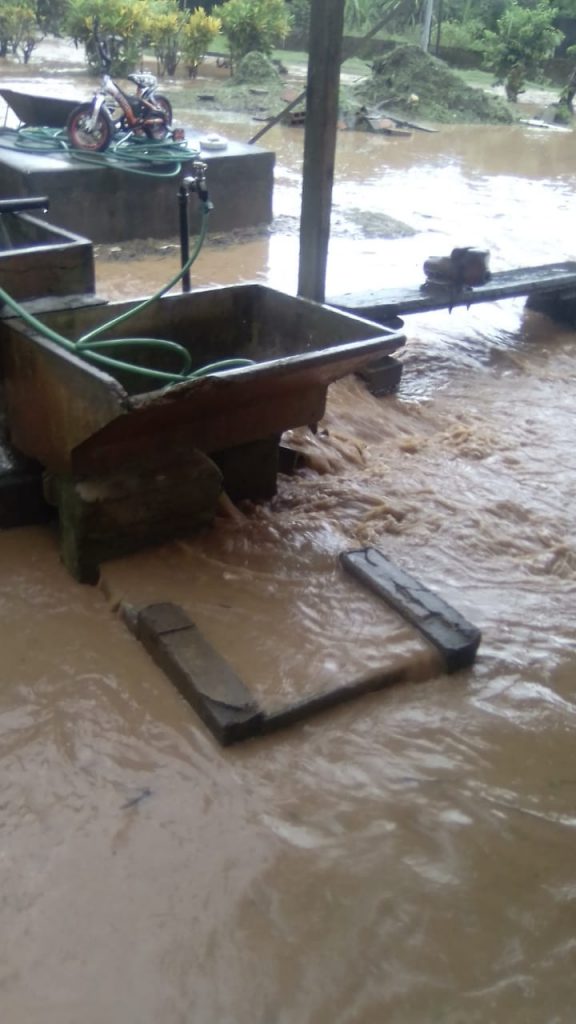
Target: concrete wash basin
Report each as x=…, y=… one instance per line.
x=38, y=260
x=134, y=463
x=74, y=417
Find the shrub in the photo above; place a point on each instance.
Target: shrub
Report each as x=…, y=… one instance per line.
x=254, y=26
x=463, y=35
x=18, y=29
x=119, y=24
x=163, y=29
x=524, y=38
x=198, y=32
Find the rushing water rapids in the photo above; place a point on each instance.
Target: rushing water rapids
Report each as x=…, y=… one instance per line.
x=407, y=858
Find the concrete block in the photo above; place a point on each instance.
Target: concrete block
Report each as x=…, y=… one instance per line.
x=108, y=516
x=382, y=377
x=203, y=678
x=448, y=630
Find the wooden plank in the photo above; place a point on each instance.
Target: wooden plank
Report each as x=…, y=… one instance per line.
x=203, y=678
x=371, y=682
x=452, y=634
x=382, y=304
x=326, y=24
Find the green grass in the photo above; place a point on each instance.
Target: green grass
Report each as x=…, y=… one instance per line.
x=485, y=80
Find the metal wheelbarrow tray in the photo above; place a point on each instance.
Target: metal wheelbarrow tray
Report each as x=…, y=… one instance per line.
x=36, y=110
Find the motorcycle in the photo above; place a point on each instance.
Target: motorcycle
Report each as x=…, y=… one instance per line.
x=92, y=126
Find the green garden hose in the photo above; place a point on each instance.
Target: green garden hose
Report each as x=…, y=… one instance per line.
x=151, y=158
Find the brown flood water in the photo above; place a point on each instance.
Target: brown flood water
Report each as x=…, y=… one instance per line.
x=407, y=858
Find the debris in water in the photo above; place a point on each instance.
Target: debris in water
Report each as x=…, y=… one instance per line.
x=136, y=800
x=441, y=94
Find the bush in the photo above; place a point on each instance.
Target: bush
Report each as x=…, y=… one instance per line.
x=119, y=24
x=163, y=30
x=199, y=31
x=463, y=35
x=524, y=38
x=254, y=25
x=300, y=16
x=255, y=67
x=18, y=29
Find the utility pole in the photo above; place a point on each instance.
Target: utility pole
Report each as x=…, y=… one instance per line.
x=427, y=25
x=324, y=58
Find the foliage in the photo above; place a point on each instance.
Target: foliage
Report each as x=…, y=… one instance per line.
x=164, y=27
x=255, y=67
x=523, y=39
x=397, y=14
x=440, y=94
x=176, y=33
x=120, y=25
x=18, y=29
x=471, y=12
x=567, y=8
x=51, y=15
x=565, y=106
x=254, y=25
x=463, y=35
x=300, y=15
x=198, y=32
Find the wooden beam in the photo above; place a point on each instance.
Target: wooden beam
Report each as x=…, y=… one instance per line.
x=383, y=304
x=326, y=26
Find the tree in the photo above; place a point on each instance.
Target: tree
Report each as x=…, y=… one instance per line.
x=199, y=31
x=19, y=33
x=253, y=25
x=119, y=24
x=523, y=39
x=164, y=27
x=300, y=17
x=51, y=15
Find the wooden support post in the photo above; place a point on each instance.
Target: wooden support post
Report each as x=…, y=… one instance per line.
x=326, y=26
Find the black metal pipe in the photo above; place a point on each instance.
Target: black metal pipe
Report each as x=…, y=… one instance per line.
x=183, y=195
x=26, y=203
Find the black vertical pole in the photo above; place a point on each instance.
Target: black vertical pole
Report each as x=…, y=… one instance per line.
x=183, y=195
x=324, y=57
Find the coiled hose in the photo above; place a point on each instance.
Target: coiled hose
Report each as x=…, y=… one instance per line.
x=155, y=159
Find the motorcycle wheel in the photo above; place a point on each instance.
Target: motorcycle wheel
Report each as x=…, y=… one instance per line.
x=82, y=136
x=160, y=131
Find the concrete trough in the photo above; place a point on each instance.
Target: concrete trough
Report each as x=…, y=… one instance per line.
x=84, y=425
x=39, y=260
x=109, y=204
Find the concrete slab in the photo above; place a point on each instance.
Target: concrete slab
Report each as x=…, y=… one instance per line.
x=106, y=204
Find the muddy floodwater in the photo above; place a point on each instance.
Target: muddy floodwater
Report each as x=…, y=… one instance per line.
x=410, y=857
